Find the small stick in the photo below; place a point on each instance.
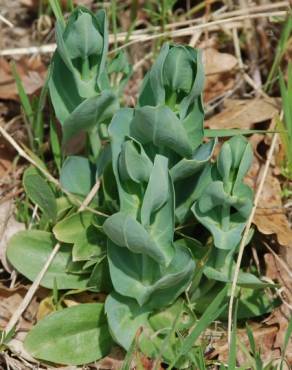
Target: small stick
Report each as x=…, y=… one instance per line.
x=6, y=21
x=245, y=235
x=23, y=154
x=31, y=292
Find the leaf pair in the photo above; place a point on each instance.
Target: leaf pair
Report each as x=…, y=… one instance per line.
x=226, y=202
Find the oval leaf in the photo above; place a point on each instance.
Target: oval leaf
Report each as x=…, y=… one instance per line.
x=73, y=336
x=77, y=175
x=40, y=193
x=29, y=250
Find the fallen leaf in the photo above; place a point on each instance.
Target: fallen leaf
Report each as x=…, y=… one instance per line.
x=243, y=113
x=270, y=217
x=32, y=72
x=112, y=361
x=8, y=227
x=282, y=315
x=216, y=62
x=220, y=72
x=264, y=337
x=6, y=158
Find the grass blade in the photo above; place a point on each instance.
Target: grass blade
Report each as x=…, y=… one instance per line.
x=57, y=10
x=234, y=132
x=286, y=341
x=55, y=144
x=24, y=99
x=38, y=124
x=212, y=312
x=281, y=48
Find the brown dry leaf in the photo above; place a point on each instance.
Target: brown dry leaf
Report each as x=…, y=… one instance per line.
x=112, y=361
x=271, y=218
x=6, y=158
x=220, y=72
x=282, y=315
x=30, y=3
x=264, y=337
x=8, y=306
x=8, y=227
x=243, y=113
x=32, y=72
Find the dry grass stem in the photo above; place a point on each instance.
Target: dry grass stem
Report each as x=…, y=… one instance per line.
x=143, y=35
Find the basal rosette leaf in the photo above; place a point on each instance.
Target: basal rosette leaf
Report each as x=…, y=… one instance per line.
x=125, y=317
x=89, y=243
x=73, y=336
x=128, y=320
x=77, y=175
x=29, y=250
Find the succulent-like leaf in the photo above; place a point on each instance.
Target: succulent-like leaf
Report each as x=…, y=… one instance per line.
x=160, y=127
x=140, y=277
x=125, y=318
x=77, y=175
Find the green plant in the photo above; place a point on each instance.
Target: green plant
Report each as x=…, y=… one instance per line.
x=280, y=52
x=159, y=187
x=286, y=125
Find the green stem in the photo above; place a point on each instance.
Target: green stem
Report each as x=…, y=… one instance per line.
x=220, y=257
x=225, y=217
x=85, y=69
x=114, y=22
